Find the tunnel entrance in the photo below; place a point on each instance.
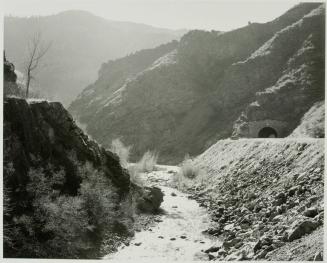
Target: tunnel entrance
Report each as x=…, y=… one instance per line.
x=267, y=132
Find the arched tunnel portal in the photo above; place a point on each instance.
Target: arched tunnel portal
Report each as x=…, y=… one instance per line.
x=267, y=132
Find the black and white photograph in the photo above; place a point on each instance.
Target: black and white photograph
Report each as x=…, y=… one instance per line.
x=162, y=130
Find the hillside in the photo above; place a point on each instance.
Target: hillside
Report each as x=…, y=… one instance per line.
x=64, y=196
x=81, y=42
x=296, y=55
x=313, y=122
x=192, y=96
x=113, y=76
x=265, y=196
x=63, y=193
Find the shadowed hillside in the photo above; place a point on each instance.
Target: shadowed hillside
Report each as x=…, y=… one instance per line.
x=192, y=96
x=113, y=77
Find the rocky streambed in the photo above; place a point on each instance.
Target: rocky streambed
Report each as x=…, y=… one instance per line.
x=261, y=200
x=178, y=233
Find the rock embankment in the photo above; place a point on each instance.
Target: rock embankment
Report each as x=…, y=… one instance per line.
x=264, y=195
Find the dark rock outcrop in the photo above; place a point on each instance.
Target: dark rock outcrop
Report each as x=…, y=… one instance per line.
x=50, y=165
x=46, y=129
x=301, y=229
x=8, y=70
x=10, y=87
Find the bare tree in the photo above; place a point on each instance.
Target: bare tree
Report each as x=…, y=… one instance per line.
x=37, y=49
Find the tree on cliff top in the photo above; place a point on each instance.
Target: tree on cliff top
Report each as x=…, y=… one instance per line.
x=37, y=49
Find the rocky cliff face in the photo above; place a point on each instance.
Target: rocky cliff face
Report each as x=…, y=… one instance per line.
x=191, y=97
x=45, y=129
x=10, y=86
x=64, y=194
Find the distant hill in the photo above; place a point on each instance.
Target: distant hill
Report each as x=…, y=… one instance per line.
x=211, y=86
x=80, y=43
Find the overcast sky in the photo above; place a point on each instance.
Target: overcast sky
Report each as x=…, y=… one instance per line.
x=175, y=14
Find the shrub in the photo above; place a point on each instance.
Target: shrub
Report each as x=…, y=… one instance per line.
x=8, y=171
x=99, y=197
x=189, y=169
x=121, y=151
x=59, y=225
x=188, y=175
x=68, y=221
x=145, y=165
x=147, y=162
x=61, y=218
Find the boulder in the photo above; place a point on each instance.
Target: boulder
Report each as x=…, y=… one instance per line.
x=311, y=212
x=305, y=227
x=211, y=256
x=213, y=231
x=278, y=218
x=200, y=256
x=212, y=249
x=227, y=244
x=318, y=256
x=150, y=200
x=293, y=190
x=280, y=199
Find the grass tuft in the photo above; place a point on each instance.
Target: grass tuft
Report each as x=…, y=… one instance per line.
x=147, y=162
x=189, y=169
x=189, y=174
x=121, y=151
